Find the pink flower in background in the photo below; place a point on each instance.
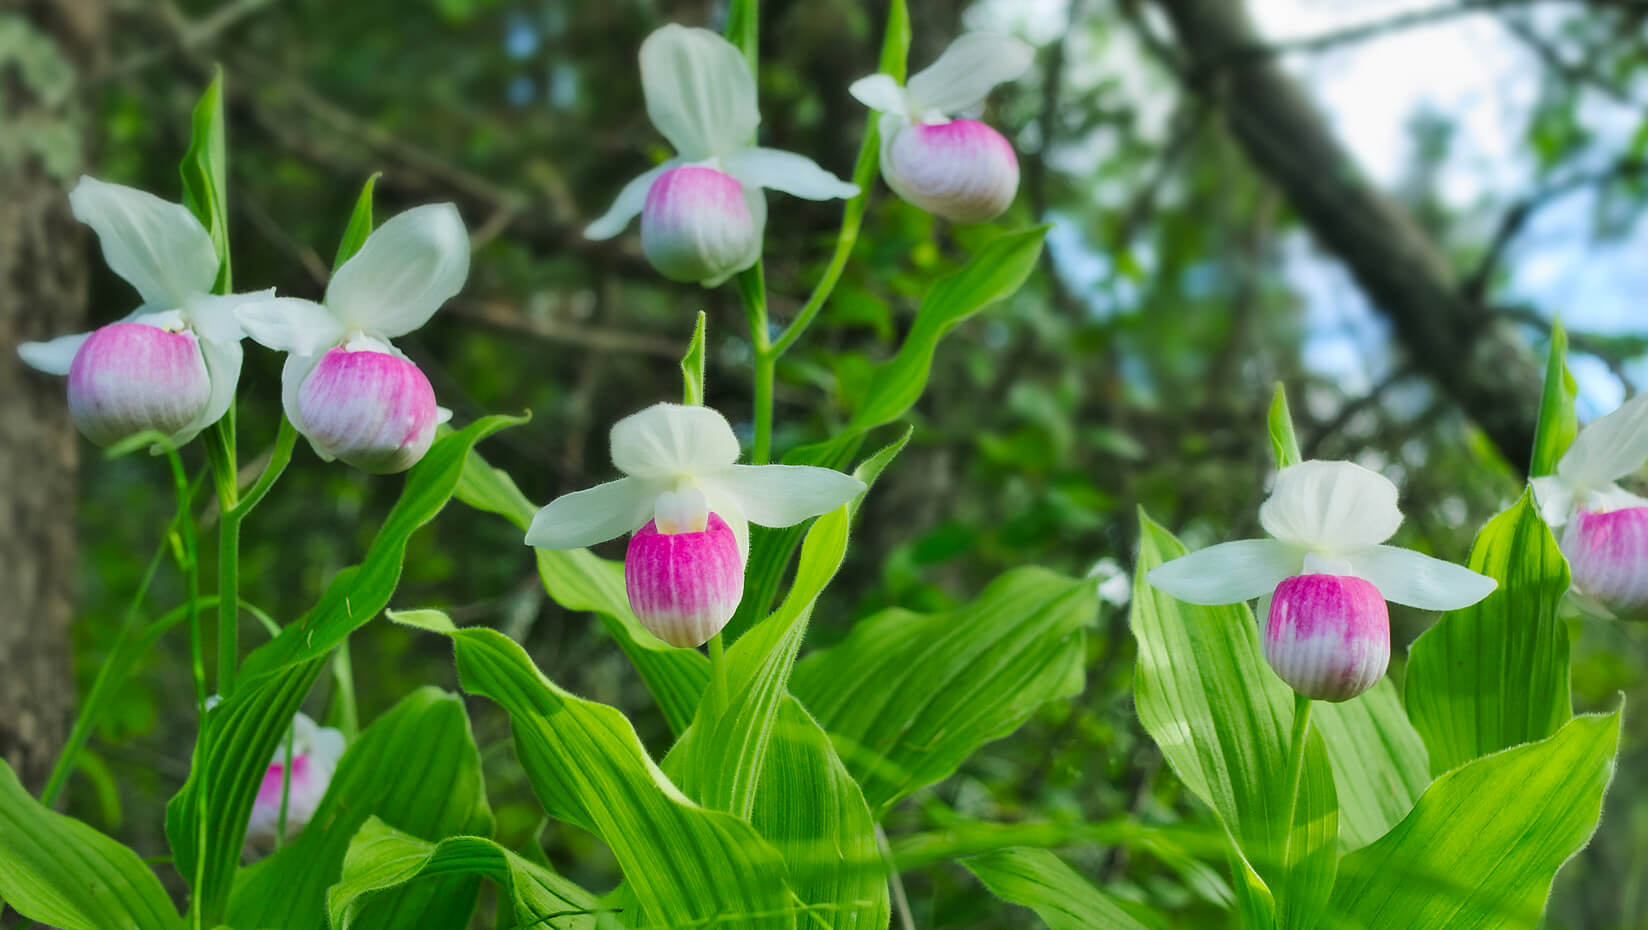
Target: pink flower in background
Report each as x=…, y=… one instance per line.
x=689, y=506
x=959, y=169
x=345, y=386
x=315, y=754
x=1323, y=577
x=173, y=363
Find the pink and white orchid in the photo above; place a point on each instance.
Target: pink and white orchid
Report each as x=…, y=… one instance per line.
x=689, y=505
x=1606, y=534
x=959, y=169
x=1323, y=577
x=315, y=752
x=703, y=212
x=172, y=364
x=345, y=385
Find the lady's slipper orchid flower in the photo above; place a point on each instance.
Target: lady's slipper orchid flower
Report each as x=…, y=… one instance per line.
x=1324, y=577
x=345, y=386
x=1606, y=539
x=172, y=364
x=702, y=212
x=959, y=169
x=689, y=506
x=315, y=754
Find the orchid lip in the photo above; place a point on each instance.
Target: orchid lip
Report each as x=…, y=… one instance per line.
x=684, y=586
x=1328, y=636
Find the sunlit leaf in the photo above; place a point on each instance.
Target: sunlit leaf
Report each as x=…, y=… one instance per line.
x=1558, y=424
x=1039, y=880
x=1284, y=445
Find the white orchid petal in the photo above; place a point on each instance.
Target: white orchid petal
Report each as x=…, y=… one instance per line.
x=327, y=746
x=215, y=316
x=1555, y=499
x=796, y=175
x=54, y=356
x=223, y=360
x=699, y=90
x=670, y=440
x=1612, y=497
x=963, y=76
x=442, y=415
x=1610, y=447
x=157, y=246
x=584, y=518
x=1229, y=573
x=880, y=92
x=1331, y=506
x=726, y=506
x=755, y=200
x=404, y=271
x=1406, y=577
x=292, y=375
x=628, y=203
x=289, y=324
x=783, y=495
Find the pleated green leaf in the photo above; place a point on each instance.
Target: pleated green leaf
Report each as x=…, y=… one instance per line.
x=1311, y=857
x=906, y=697
x=1379, y=762
x=684, y=864
x=579, y=580
x=1495, y=674
x=243, y=732
x=416, y=769
x=692, y=367
x=1480, y=849
x=360, y=224
x=62, y=873
x=1042, y=882
x=1284, y=445
x=1558, y=424
x=384, y=861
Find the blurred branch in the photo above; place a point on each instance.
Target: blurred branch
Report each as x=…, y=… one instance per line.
x=507, y=316
x=1577, y=72
x=1613, y=356
x=1350, y=410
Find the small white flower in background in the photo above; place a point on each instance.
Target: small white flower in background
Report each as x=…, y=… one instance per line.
x=1606, y=535
x=959, y=169
x=172, y=364
x=345, y=386
x=1323, y=577
x=703, y=212
x=689, y=506
x=315, y=754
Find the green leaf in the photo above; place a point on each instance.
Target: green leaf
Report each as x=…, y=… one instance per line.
x=1558, y=424
x=589, y=769
x=1495, y=674
x=579, y=580
x=360, y=223
x=1311, y=856
x=1480, y=849
x=692, y=367
x=61, y=872
x=1283, y=443
x=205, y=175
x=382, y=859
x=417, y=768
x=243, y=732
x=1039, y=880
x=744, y=30
x=1379, y=762
x=906, y=697
x=895, y=42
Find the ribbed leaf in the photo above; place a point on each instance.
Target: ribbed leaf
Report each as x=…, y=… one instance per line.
x=684, y=864
x=1558, y=424
x=416, y=768
x=692, y=367
x=383, y=860
x=1284, y=445
x=1379, y=762
x=1480, y=849
x=1040, y=881
x=906, y=697
x=360, y=224
x=1495, y=674
x=243, y=732
x=62, y=873
x=206, y=177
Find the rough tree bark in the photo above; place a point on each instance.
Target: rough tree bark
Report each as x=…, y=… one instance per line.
x=45, y=48
x=1476, y=358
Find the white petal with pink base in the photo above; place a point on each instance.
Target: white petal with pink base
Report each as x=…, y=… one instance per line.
x=314, y=759
x=1324, y=575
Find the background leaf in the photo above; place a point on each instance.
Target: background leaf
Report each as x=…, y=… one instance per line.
x=360, y=223
x=206, y=177
x=1039, y=880
x=1558, y=424
x=1284, y=445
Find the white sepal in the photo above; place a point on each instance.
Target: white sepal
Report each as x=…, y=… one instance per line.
x=1331, y=506
x=1555, y=498
x=1609, y=448
x=670, y=440
x=292, y=375
x=223, y=359
x=628, y=203
x=1406, y=577
x=881, y=92
x=584, y=518
x=216, y=317
x=404, y=271
x=793, y=174
x=963, y=76
x=54, y=356
x=699, y=91
x=1228, y=573
x=1612, y=497
x=290, y=324
x=157, y=246
x=726, y=506
x=783, y=495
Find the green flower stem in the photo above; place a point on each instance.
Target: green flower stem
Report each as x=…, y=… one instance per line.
x=752, y=287
x=235, y=508
x=345, y=715
x=1296, y=761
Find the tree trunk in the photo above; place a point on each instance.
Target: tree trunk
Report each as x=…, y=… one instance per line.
x=1477, y=359
x=42, y=294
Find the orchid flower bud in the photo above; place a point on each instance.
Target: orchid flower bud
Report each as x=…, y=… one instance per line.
x=1608, y=555
x=314, y=759
x=684, y=584
x=697, y=226
x=962, y=170
x=1328, y=636
x=373, y=410
x=131, y=377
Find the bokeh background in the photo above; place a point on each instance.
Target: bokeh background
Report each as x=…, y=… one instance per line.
x=1382, y=203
